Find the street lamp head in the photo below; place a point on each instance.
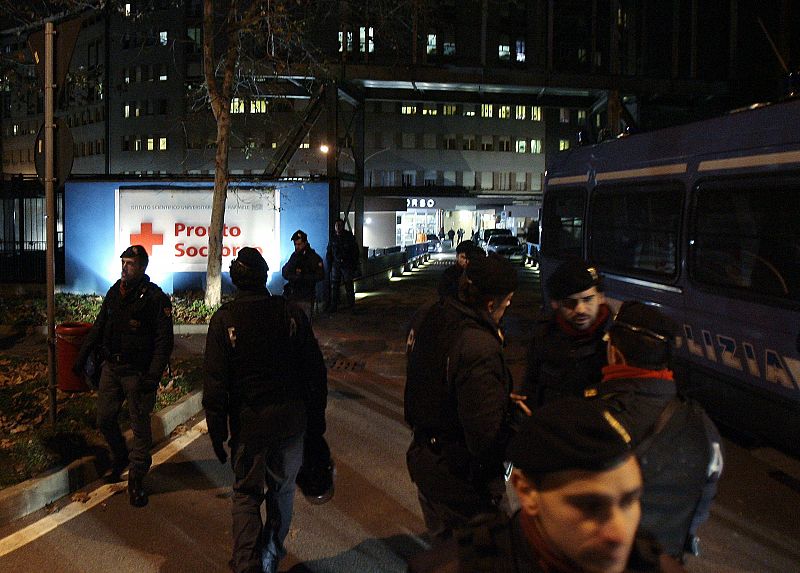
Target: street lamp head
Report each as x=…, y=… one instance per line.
x=324, y=148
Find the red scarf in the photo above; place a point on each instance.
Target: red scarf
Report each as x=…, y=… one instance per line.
x=602, y=315
x=620, y=371
x=548, y=560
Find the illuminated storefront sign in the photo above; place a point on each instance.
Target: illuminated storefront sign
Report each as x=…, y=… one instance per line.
x=414, y=202
x=172, y=224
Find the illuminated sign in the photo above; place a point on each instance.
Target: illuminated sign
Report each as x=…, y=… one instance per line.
x=172, y=224
x=420, y=203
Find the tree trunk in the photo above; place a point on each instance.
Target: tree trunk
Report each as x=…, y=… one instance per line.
x=214, y=269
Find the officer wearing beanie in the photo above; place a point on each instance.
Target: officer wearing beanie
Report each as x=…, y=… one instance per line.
x=465, y=252
x=133, y=332
x=567, y=349
x=579, y=487
x=303, y=271
x=677, y=444
x=457, y=398
x=265, y=388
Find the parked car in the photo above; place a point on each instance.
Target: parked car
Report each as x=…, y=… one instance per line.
x=506, y=246
x=488, y=233
x=434, y=244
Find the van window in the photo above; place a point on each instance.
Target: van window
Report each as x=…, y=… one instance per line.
x=562, y=222
x=745, y=235
x=635, y=228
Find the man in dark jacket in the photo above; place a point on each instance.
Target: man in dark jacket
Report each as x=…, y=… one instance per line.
x=303, y=270
x=342, y=257
x=579, y=487
x=134, y=333
x=677, y=444
x=466, y=251
x=266, y=386
x=457, y=398
x=567, y=349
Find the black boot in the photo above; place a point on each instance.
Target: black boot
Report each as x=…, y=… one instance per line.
x=136, y=492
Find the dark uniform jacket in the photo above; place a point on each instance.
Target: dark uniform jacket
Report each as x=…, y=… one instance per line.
x=448, y=283
x=265, y=375
x=134, y=330
x=681, y=464
x=303, y=270
x=343, y=251
x=562, y=363
x=457, y=402
x=496, y=544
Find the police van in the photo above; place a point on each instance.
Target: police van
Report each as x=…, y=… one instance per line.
x=703, y=222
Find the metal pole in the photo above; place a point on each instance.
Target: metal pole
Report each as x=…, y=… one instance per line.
x=49, y=194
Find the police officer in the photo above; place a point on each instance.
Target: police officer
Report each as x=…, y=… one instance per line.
x=342, y=257
x=303, y=271
x=567, y=349
x=134, y=332
x=265, y=387
x=457, y=398
x=466, y=251
x=579, y=488
x=677, y=444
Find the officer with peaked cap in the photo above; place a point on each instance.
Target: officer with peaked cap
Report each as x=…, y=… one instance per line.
x=133, y=331
x=567, y=349
x=677, y=444
x=457, y=398
x=266, y=388
x=579, y=486
x=302, y=271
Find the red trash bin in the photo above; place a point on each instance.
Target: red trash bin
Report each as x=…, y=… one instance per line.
x=69, y=339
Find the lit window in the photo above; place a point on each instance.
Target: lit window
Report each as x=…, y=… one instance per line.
x=429, y=110
x=469, y=110
x=581, y=115
x=137, y=144
x=162, y=143
x=504, y=111
x=487, y=110
x=162, y=73
x=504, y=49
x=126, y=74
x=305, y=145
x=137, y=110
x=408, y=109
x=237, y=105
x=151, y=144
x=449, y=109
x=521, y=146
x=536, y=145
x=563, y=144
x=536, y=113
x=563, y=115
x=520, y=50
x=365, y=41
x=258, y=106
x=126, y=110
x=127, y=9
x=449, y=48
x=349, y=41
x=519, y=111
x=162, y=38
x=431, y=49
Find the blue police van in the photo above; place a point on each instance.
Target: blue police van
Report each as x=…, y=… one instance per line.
x=702, y=221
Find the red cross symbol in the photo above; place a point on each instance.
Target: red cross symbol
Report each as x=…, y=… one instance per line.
x=147, y=238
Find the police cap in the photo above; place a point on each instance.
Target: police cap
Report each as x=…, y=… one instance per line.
x=492, y=275
x=569, y=434
x=646, y=320
x=136, y=252
x=300, y=234
x=570, y=277
x=252, y=259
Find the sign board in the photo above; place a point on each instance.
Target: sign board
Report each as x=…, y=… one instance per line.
x=172, y=224
x=62, y=148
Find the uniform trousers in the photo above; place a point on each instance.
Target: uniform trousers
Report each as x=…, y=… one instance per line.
x=340, y=275
x=258, y=546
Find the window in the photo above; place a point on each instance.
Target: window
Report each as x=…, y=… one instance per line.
x=503, y=143
x=563, y=144
x=126, y=75
x=127, y=9
x=562, y=222
x=449, y=178
x=504, y=49
x=504, y=181
x=521, y=146
x=635, y=228
x=449, y=141
x=429, y=141
x=487, y=143
x=430, y=178
x=126, y=143
x=468, y=179
x=162, y=72
x=408, y=109
x=162, y=38
x=469, y=110
x=162, y=143
x=504, y=111
x=429, y=109
x=744, y=236
x=449, y=109
x=349, y=41
x=237, y=105
x=563, y=115
x=408, y=141
x=536, y=145
x=519, y=181
x=409, y=178
x=581, y=115
x=196, y=36
x=487, y=180
x=519, y=111
x=520, y=50
x=258, y=106
x=137, y=143
x=469, y=143
x=487, y=110
x=365, y=40
x=449, y=48
x=536, y=113
x=126, y=110
x=431, y=46
x=151, y=144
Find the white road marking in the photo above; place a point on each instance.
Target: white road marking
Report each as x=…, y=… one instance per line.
x=95, y=497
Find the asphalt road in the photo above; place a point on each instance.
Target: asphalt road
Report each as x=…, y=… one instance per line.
x=373, y=523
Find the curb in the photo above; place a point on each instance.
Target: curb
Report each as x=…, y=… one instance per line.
x=26, y=497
